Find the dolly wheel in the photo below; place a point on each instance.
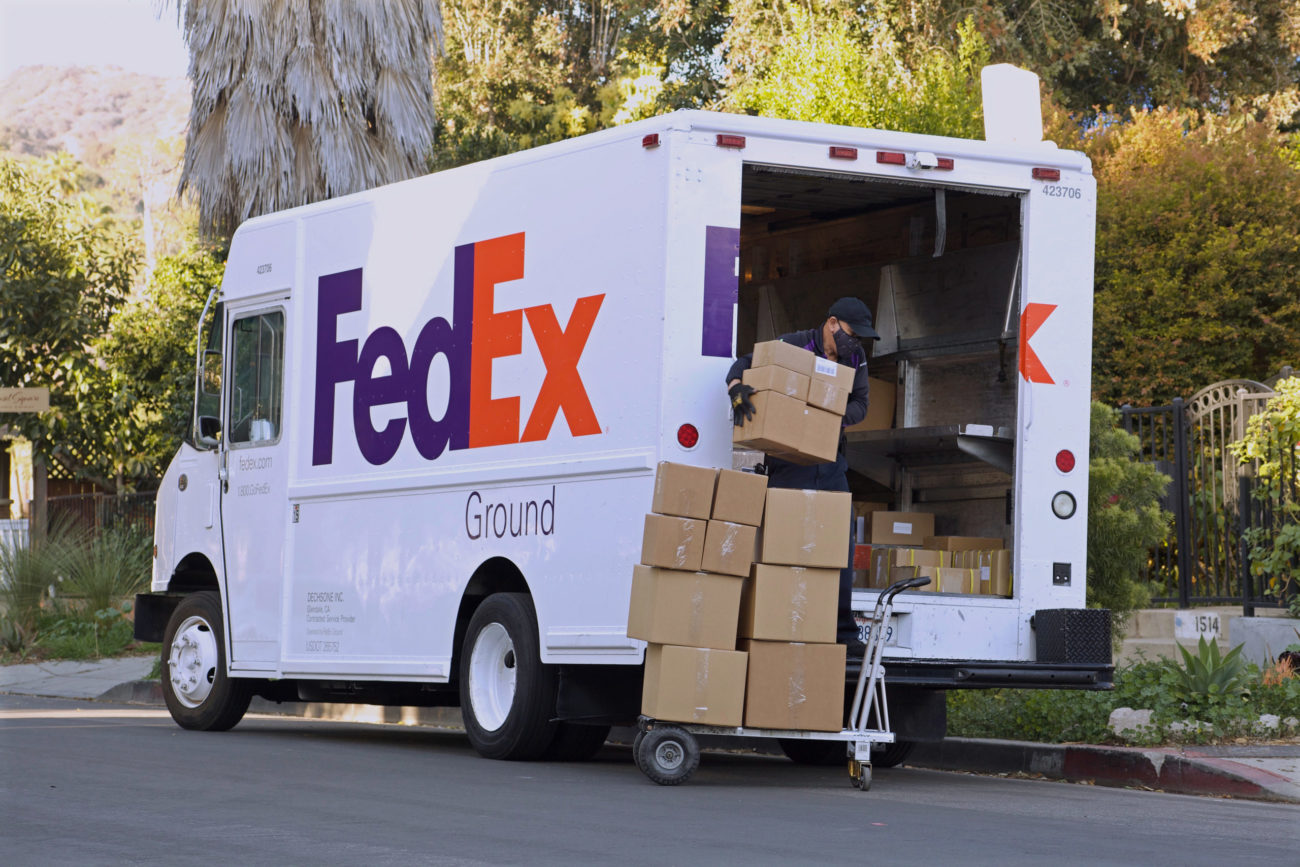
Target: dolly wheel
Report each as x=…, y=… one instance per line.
x=668, y=755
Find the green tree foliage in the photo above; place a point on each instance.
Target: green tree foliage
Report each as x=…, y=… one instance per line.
x=1124, y=517
x=822, y=72
x=1198, y=255
x=1272, y=443
x=67, y=267
x=149, y=359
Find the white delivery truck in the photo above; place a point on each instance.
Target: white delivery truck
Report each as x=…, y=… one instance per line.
x=428, y=416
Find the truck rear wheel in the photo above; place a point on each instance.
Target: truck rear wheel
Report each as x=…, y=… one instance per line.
x=199, y=693
x=507, y=697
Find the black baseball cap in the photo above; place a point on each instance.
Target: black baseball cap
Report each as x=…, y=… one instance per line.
x=856, y=315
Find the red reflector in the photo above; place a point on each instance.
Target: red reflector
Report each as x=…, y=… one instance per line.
x=842, y=153
x=1047, y=174
x=945, y=163
x=731, y=141
x=687, y=436
x=1065, y=460
x=650, y=141
x=890, y=158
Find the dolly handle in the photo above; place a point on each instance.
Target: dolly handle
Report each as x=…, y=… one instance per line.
x=899, y=586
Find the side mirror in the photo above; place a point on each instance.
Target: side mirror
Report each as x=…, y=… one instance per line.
x=209, y=431
x=211, y=374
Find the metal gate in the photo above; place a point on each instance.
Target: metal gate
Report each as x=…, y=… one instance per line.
x=1201, y=561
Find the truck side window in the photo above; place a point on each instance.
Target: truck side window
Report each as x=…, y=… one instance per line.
x=257, y=378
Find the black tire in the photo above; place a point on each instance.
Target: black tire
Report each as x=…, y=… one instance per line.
x=893, y=754
x=509, y=723
x=817, y=753
x=574, y=742
x=199, y=693
x=668, y=755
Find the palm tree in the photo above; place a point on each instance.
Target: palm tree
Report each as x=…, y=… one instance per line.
x=298, y=100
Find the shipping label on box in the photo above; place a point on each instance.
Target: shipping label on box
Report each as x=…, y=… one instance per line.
x=790, y=603
x=833, y=373
x=777, y=425
x=783, y=354
x=673, y=543
x=825, y=395
x=795, y=686
x=806, y=528
x=739, y=497
x=881, y=396
x=683, y=490
x=901, y=528
x=694, y=685
x=729, y=548
x=692, y=609
x=962, y=543
x=778, y=379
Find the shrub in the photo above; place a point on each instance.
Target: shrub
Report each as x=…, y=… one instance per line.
x=109, y=570
x=1124, y=518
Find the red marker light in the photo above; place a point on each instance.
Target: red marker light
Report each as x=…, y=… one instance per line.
x=945, y=164
x=1065, y=460
x=687, y=436
x=650, y=141
x=843, y=153
x=890, y=158
x=1046, y=174
x=731, y=141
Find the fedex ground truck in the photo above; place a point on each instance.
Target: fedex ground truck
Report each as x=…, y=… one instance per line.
x=428, y=416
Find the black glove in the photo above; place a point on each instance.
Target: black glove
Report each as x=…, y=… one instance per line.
x=742, y=408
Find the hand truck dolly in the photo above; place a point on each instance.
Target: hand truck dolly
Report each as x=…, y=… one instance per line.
x=668, y=753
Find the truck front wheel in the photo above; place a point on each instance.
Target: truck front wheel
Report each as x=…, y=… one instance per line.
x=507, y=697
x=199, y=693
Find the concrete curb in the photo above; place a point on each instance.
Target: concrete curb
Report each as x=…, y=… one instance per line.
x=1169, y=769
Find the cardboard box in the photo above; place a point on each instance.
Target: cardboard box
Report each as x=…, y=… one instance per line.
x=962, y=543
x=790, y=603
x=833, y=373
x=806, y=528
x=901, y=528
x=881, y=396
x=683, y=490
x=951, y=579
x=825, y=395
x=773, y=378
x=862, y=519
x=889, y=565
x=673, y=543
x=918, y=557
x=729, y=548
x=694, y=684
x=789, y=429
x=785, y=355
x=777, y=425
x=739, y=497
x=693, y=609
x=795, y=686
x=861, y=556
x=994, y=566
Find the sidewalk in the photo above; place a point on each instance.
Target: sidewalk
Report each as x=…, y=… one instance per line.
x=1262, y=771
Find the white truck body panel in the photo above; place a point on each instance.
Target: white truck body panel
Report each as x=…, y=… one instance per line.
x=344, y=544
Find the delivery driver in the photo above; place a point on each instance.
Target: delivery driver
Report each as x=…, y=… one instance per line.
x=847, y=321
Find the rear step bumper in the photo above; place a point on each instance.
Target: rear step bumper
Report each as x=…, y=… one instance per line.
x=987, y=674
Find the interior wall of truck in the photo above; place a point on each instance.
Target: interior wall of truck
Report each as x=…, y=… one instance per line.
x=938, y=266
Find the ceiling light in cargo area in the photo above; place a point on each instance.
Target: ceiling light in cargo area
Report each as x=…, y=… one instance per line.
x=687, y=436
x=1065, y=460
x=1063, y=505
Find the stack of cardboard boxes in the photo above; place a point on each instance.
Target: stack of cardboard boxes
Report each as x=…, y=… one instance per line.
x=799, y=403
x=732, y=641
x=903, y=545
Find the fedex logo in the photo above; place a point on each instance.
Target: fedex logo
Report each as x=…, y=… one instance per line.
x=477, y=334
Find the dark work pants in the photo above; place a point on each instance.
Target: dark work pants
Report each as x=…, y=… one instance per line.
x=823, y=477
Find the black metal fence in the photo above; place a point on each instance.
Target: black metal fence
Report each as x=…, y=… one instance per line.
x=1204, y=559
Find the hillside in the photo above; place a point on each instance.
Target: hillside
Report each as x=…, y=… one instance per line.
x=89, y=111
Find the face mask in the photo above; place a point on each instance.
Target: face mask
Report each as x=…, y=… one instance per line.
x=846, y=345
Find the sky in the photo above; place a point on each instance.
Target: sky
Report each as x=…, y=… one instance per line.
x=131, y=34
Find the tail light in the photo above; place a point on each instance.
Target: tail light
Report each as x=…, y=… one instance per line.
x=687, y=436
x=1065, y=460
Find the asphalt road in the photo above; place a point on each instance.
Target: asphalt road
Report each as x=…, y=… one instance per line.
x=88, y=783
